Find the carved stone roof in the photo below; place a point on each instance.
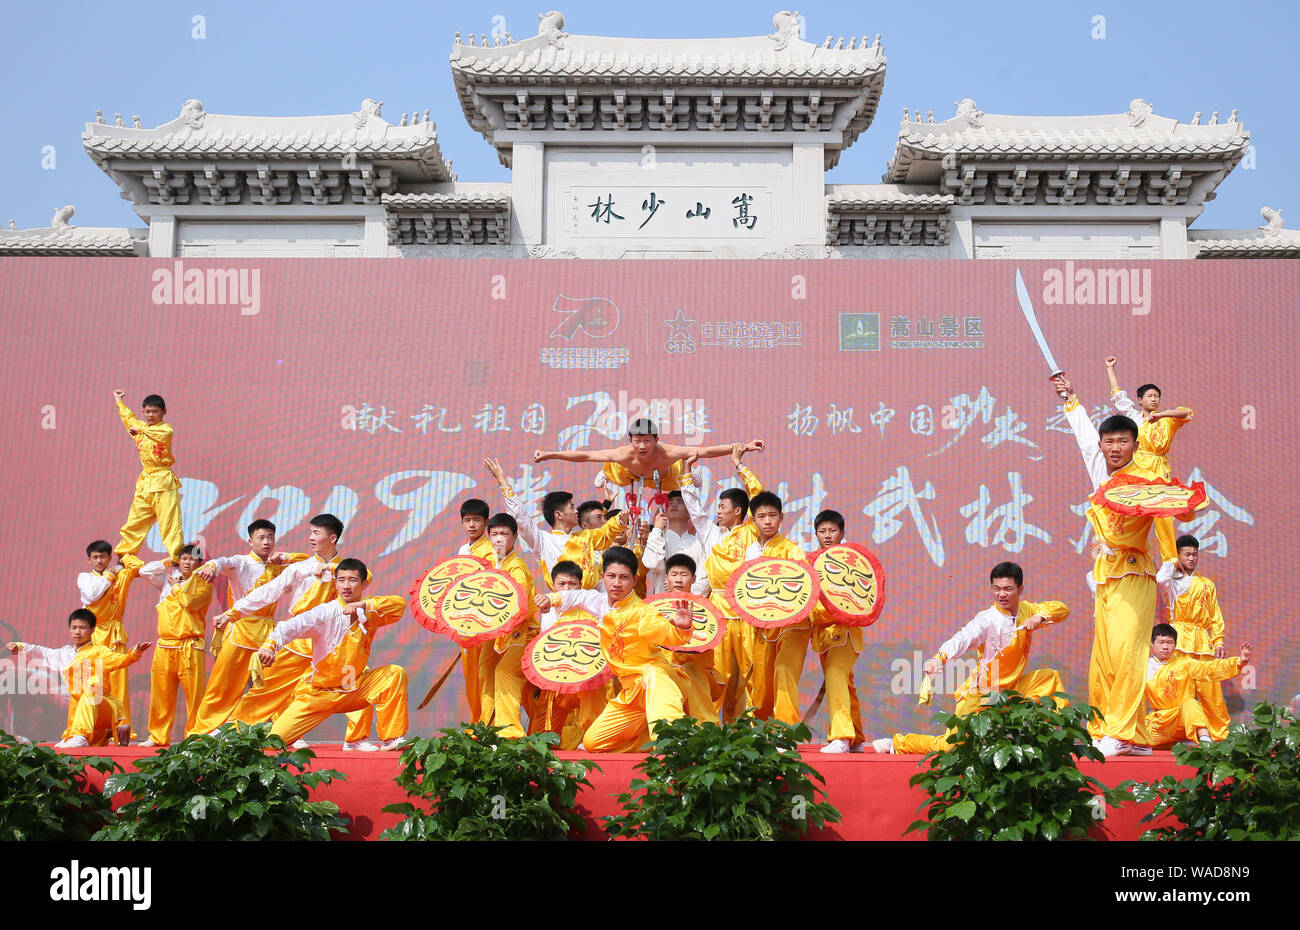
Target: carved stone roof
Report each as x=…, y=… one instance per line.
x=558, y=81
x=448, y=218
x=62, y=238
x=219, y=158
x=1108, y=159
x=1271, y=240
x=886, y=214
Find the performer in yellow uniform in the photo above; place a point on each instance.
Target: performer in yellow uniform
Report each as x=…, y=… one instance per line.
x=474, y=515
x=1193, y=604
x=157, y=490
x=103, y=592
x=182, y=618
x=631, y=633
x=235, y=643
x=1156, y=429
x=838, y=646
x=568, y=715
x=309, y=584
x=694, y=670
x=84, y=664
x=644, y=455
x=1003, y=634
x=1124, y=575
x=725, y=544
x=341, y=632
x=500, y=669
x=1173, y=678
x=778, y=654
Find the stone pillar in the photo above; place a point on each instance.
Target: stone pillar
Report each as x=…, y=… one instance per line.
x=162, y=237
x=526, y=193
x=375, y=238
x=961, y=237
x=1173, y=237
x=809, y=189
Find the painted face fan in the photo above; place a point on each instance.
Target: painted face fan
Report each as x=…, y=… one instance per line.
x=852, y=583
x=770, y=592
x=1149, y=497
x=433, y=584
x=567, y=658
x=707, y=627
x=481, y=606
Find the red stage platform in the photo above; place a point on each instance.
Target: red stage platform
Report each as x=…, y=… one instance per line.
x=871, y=791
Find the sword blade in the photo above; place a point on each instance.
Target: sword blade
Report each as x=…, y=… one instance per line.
x=1027, y=308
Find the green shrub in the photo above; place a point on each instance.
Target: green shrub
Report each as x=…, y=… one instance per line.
x=703, y=781
x=241, y=784
x=472, y=784
x=1011, y=774
x=1245, y=788
x=46, y=795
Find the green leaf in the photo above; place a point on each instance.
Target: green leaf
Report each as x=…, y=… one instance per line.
x=963, y=810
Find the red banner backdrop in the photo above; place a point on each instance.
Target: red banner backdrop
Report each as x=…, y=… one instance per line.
x=911, y=396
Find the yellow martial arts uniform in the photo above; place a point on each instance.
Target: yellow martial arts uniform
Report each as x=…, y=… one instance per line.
x=778, y=654
x=1171, y=689
x=110, y=631
x=267, y=701
x=500, y=670
x=339, y=681
x=1125, y=601
x=92, y=711
x=1194, y=613
x=726, y=553
x=700, y=690
x=631, y=633
x=178, y=658
x=1151, y=460
x=469, y=658
x=157, y=490
x=621, y=476
x=1000, y=665
x=239, y=641
x=838, y=646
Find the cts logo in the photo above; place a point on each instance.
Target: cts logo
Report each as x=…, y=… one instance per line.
x=598, y=317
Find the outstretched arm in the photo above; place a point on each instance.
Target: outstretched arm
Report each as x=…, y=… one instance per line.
x=675, y=451
x=1085, y=434
x=617, y=454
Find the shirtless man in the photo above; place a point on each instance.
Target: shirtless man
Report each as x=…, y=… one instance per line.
x=644, y=455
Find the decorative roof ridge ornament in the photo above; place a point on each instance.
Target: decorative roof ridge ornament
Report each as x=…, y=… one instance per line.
x=369, y=108
x=192, y=113
x=1273, y=226
x=552, y=28
x=1138, y=111
x=63, y=214
x=787, y=25
x=967, y=110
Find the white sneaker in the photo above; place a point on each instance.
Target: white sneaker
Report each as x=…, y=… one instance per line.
x=1135, y=750
x=884, y=744
x=147, y=744
x=859, y=747
x=1110, y=746
x=72, y=742
x=836, y=745
x=360, y=746
x=299, y=744
x=395, y=743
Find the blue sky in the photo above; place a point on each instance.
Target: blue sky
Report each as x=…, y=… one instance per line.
x=65, y=60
